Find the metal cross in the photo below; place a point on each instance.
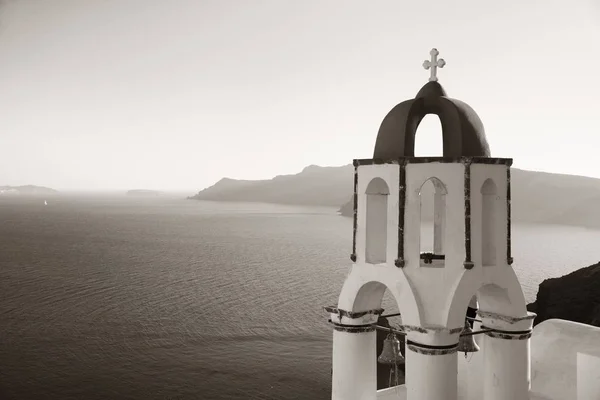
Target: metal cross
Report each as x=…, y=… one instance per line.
x=434, y=64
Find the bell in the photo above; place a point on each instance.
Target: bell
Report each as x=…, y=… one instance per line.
x=466, y=343
x=391, y=354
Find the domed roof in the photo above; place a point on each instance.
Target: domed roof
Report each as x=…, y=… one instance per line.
x=462, y=130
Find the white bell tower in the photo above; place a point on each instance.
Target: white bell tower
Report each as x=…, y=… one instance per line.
x=471, y=255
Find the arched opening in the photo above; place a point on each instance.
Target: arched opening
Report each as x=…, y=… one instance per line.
x=504, y=297
x=375, y=295
x=491, y=297
x=376, y=223
x=390, y=305
x=470, y=352
x=488, y=222
x=433, y=221
x=428, y=138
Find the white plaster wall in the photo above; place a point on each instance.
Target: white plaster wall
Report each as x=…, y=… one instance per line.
x=390, y=174
x=588, y=375
x=467, y=373
x=442, y=294
x=479, y=174
x=433, y=284
x=554, y=347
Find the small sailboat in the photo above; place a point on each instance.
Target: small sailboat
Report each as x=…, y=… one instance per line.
x=45, y=203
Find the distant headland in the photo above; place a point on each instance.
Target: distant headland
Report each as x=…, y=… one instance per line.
x=537, y=197
x=143, y=193
x=26, y=190
x=318, y=186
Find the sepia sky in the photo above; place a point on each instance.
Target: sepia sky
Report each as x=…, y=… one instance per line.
x=174, y=95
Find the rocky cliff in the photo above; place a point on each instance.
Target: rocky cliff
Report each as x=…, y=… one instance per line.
x=574, y=297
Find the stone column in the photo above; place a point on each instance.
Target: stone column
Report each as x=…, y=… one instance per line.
x=506, y=358
x=354, y=362
x=431, y=363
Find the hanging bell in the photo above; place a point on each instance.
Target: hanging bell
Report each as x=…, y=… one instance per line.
x=466, y=342
x=391, y=354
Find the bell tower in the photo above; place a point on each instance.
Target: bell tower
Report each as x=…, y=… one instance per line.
x=471, y=256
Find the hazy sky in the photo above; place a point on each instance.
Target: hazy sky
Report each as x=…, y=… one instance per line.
x=175, y=94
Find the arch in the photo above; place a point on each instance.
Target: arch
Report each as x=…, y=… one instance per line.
x=501, y=294
x=438, y=194
x=370, y=296
x=377, y=186
x=429, y=131
x=364, y=289
x=489, y=228
x=376, y=221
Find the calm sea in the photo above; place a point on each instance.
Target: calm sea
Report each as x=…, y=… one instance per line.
x=164, y=298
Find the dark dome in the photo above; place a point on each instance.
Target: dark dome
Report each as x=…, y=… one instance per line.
x=462, y=130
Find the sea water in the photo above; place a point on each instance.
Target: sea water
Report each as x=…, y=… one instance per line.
x=164, y=298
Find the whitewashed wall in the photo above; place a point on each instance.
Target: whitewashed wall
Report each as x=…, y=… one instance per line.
x=588, y=375
x=554, y=347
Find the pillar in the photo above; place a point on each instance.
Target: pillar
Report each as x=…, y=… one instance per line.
x=354, y=362
x=431, y=363
x=475, y=367
x=506, y=357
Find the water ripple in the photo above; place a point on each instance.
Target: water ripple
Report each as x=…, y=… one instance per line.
x=165, y=298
